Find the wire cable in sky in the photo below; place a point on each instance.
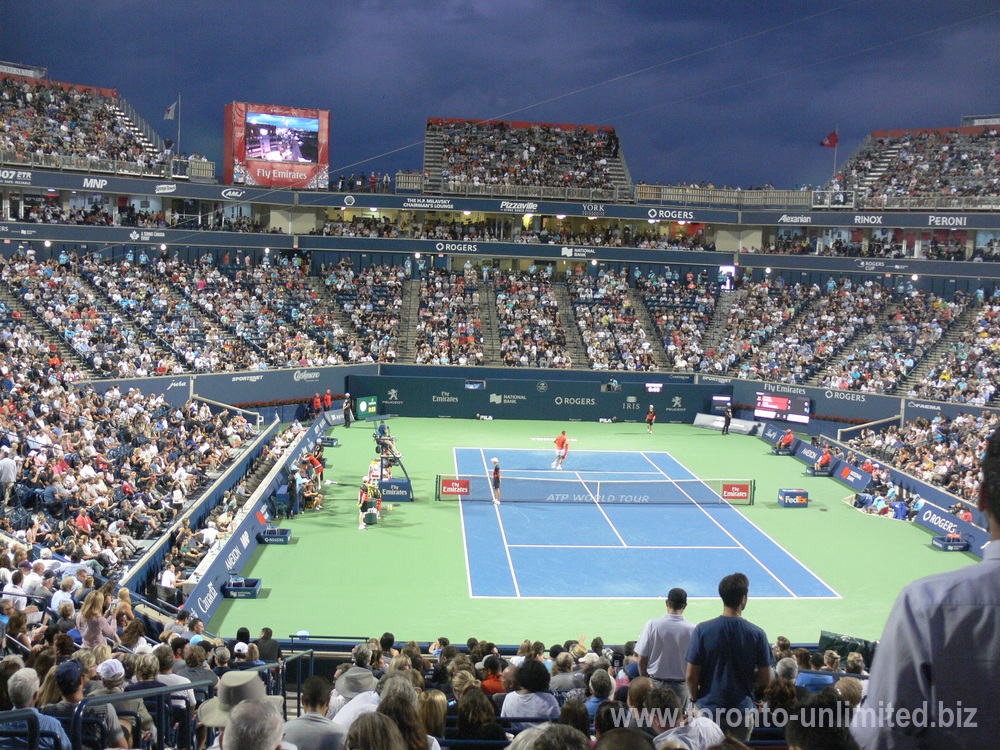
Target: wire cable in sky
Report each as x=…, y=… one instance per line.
x=622, y=77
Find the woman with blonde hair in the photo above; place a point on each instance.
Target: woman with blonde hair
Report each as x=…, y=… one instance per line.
x=399, y=663
x=95, y=625
x=432, y=708
x=463, y=680
x=123, y=609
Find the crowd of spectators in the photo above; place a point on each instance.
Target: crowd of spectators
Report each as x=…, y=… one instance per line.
x=927, y=163
x=938, y=451
x=682, y=311
x=372, y=298
x=611, y=332
x=825, y=327
x=153, y=295
x=968, y=371
x=499, y=154
x=104, y=338
x=887, y=354
x=41, y=119
x=759, y=310
x=449, y=326
x=530, y=325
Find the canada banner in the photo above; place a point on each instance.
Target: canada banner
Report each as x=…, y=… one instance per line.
x=276, y=146
x=831, y=140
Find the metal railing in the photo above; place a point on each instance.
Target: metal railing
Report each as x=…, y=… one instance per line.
x=203, y=171
x=726, y=198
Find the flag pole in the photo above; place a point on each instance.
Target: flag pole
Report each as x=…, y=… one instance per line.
x=178, y=124
x=836, y=145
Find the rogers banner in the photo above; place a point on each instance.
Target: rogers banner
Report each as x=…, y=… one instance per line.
x=276, y=146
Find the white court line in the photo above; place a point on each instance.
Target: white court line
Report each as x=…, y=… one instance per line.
x=613, y=528
x=648, y=598
x=465, y=542
x=806, y=568
x=615, y=546
x=503, y=533
x=716, y=522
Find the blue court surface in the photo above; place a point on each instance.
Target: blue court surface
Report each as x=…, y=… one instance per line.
x=627, y=547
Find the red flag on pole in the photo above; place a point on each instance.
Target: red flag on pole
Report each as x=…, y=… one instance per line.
x=831, y=140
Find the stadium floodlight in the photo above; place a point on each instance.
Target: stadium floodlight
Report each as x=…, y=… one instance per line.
x=467, y=213
x=560, y=216
x=48, y=244
x=163, y=248
x=267, y=251
x=591, y=218
x=417, y=256
x=593, y=262
x=915, y=277
x=681, y=222
x=528, y=216
x=373, y=209
x=767, y=270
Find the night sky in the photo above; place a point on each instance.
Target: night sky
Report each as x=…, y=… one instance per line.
x=727, y=92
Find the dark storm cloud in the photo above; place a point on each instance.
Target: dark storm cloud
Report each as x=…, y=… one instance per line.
x=729, y=92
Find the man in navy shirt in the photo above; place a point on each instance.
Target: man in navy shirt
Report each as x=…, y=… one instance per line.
x=727, y=658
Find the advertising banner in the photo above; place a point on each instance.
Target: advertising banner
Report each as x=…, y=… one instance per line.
x=532, y=399
x=827, y=403
x=276, y=146
x=942, y=523
x=234, y=553
x=904, y=219
x=396, y=490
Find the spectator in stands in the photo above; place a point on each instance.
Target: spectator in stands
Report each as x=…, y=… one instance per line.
x=666, y=716
x=621, y=738
x=919, y=666
x=814, y=681
x=806, y=730
x=69, y=678
x=23, y=688
x=253, y=725
x=477, y=718
x=112, y=675
x=663, y=644
x=531, y=697
x=721, y=674
x=432, y=710
x=235, y=688
x=193, y=667
x=312, y=730
x=96, y=623
x=601, y=687
x=374, y=731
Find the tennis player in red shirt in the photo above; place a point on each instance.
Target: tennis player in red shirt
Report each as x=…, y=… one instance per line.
x=562, y=448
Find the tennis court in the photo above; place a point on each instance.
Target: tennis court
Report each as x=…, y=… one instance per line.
x=612, y=524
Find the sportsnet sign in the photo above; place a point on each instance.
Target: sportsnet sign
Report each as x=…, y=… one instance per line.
x=735, y=491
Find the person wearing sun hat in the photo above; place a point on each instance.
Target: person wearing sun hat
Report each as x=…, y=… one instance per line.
x=234, y=688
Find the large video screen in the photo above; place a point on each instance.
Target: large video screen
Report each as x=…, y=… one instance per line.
x=279, y=138
x=271, y=145
x=785, y=408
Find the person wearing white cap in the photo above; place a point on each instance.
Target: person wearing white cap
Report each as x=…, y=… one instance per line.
x=112, y=674
x=496, y=481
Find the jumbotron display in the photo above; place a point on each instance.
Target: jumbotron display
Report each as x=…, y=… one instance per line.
x=786, y=408
x=276, y=146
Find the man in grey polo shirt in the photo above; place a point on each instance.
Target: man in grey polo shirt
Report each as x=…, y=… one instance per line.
x=312, y=730
x=662, y=647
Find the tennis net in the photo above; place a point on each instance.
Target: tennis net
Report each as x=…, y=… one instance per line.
x=478, y=487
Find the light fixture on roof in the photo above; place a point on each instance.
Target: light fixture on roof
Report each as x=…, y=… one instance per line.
x=560, y=216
